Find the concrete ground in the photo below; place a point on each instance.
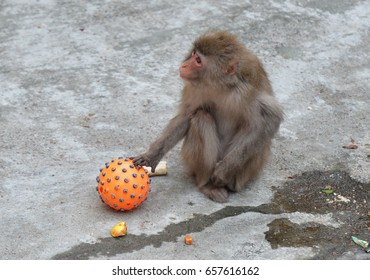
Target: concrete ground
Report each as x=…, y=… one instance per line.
x=82, y=82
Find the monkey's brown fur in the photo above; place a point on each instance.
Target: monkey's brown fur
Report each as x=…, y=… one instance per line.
x=228, y=116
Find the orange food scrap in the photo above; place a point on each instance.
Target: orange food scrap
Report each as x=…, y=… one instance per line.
x=188, y=240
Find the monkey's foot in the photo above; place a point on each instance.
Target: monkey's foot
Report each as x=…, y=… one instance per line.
x=217, y=194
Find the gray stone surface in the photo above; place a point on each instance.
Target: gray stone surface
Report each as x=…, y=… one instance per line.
x=82, y=82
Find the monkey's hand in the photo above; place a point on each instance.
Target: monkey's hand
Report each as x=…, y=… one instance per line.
x=146, y=160
x=220, y=176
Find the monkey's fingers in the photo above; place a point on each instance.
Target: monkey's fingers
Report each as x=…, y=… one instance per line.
x=219, y=195
x=153, y=166
x=217, y=180
x=216, y=194
x=140, y=161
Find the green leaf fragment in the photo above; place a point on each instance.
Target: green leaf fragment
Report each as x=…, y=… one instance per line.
x=364, y=244
x=327, y=191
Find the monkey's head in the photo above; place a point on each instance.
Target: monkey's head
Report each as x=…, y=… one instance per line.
x=214, y=58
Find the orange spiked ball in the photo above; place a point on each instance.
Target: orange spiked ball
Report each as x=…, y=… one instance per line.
x=122, y=185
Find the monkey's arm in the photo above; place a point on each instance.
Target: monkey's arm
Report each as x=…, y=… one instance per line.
x=249, y=141
x=172, y=134
x=246, y=144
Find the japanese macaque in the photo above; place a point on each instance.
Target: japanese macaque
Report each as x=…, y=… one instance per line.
x=227, y=117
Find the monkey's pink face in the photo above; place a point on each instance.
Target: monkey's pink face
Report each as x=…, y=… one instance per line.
x=191, y=68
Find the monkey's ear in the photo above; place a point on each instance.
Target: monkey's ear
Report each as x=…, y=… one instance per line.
x=232, y=67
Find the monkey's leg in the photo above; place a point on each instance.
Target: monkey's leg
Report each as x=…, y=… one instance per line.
x=200, y=152
x=251, y=170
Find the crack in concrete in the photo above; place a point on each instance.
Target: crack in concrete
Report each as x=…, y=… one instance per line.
x=112, y=246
